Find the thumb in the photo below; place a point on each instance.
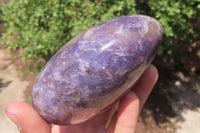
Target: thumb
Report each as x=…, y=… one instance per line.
x=26, y=118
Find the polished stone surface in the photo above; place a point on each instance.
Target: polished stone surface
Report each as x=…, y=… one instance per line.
x=95, y=68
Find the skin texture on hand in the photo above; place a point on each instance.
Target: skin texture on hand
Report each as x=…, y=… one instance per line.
x=124, y=121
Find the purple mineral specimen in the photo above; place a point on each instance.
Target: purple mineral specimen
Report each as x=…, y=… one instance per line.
x=95, y=69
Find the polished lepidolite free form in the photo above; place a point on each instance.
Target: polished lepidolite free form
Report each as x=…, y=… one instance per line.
x=95, y=69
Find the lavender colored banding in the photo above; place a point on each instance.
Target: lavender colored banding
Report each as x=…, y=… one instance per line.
x=95, y=69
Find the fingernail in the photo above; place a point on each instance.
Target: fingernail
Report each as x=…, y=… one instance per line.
x=153, y=70
x=14, y=120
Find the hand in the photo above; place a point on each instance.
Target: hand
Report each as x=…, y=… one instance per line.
x=29, y=121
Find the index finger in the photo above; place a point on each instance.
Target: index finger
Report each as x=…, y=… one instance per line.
x=145, y=84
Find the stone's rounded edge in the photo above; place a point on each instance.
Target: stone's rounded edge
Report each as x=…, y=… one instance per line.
x=57, y=113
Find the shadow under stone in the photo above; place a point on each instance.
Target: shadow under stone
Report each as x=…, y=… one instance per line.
x=175, y=92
